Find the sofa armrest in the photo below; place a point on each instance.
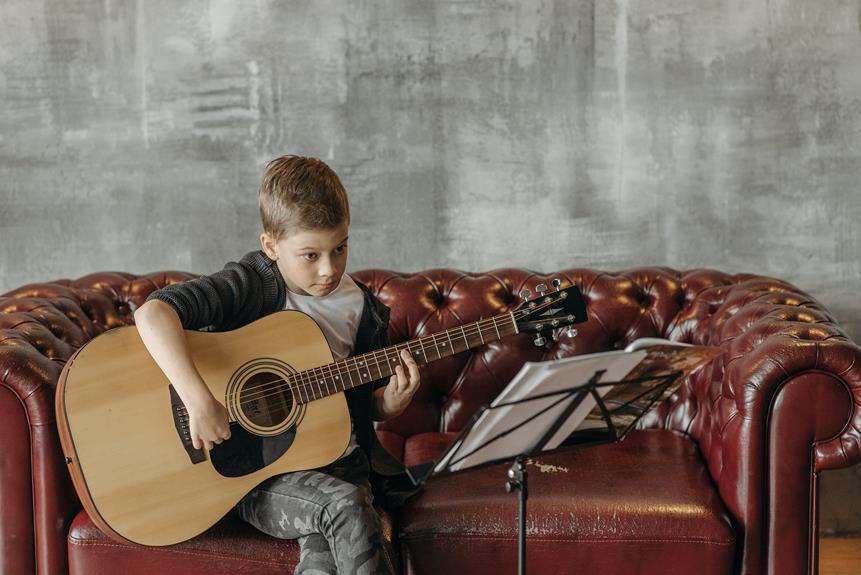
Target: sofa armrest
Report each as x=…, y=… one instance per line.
x=797, y=414
x=37, y=496
x=41, y=326
x=782, y=404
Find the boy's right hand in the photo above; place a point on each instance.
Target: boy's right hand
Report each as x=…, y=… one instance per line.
x=208, y=422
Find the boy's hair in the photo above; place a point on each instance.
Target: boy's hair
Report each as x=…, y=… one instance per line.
x=299, y=193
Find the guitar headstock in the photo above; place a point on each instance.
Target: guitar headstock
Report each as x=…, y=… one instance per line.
x=550, y=311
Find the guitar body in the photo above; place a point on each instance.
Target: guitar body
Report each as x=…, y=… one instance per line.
x=123, y=427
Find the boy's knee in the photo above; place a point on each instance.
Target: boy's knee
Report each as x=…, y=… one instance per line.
x=352, y=502
x=358, y=496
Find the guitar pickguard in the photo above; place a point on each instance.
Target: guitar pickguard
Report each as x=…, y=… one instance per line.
x=244, y=453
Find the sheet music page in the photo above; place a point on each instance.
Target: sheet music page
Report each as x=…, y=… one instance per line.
x=532, y=380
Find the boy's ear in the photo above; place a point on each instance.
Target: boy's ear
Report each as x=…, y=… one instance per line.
x=268, y=245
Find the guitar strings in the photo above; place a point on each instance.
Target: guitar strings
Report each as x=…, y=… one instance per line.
x=336, y=369
x=305, y=381
x=299, y=385
x=329, y=370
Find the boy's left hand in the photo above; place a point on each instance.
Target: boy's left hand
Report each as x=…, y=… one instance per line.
x=401, y=387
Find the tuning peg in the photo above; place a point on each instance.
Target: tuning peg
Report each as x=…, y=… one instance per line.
x=541, y=288
x=556, y=283
x=525, y=293
x=571, y=332
x=540, y=341
x=555, y=336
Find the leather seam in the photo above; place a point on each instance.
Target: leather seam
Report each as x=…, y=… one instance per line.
x=84, y=543
x=435, y=535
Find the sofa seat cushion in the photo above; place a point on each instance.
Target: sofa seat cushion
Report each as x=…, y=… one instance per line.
x=230, y=547
x=643, y=505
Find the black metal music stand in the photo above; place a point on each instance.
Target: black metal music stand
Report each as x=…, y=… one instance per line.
x=618, y=405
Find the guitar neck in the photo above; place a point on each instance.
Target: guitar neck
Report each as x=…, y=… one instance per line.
x=353, y=371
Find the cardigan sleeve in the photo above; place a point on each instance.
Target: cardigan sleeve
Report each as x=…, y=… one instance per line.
x=230, y=298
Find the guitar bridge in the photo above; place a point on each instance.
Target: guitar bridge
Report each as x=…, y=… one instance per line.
x=180, y=421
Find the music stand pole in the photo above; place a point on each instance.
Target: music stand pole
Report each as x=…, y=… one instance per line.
x=517, y=481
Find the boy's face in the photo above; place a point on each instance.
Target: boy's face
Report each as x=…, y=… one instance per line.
x=310, y=261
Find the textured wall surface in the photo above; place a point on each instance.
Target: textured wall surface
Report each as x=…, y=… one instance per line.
x=470, y=134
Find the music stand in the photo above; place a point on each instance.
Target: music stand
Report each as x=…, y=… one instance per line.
x=551, y=419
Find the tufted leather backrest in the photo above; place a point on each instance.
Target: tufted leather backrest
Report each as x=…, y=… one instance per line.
x=47, y=322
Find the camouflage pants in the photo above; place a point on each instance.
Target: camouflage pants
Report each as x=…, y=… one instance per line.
x=329, y=511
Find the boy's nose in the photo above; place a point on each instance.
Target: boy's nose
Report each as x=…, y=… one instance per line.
x=326, y=269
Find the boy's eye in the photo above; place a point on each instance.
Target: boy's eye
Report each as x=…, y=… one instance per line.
x=341, y=249
x=310, y=257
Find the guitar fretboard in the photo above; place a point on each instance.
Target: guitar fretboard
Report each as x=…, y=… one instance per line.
x=341, y=375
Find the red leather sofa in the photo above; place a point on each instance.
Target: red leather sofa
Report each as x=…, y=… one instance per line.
x=722, y=478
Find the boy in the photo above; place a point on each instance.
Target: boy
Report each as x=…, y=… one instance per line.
x=305, y=216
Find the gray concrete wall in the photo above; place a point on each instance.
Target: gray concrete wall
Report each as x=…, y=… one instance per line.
x=471, y=134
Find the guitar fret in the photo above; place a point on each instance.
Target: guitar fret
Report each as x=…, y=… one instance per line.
x=423, y=349
x=294, y=384
x=332, y=382
x=321, y=381
x=496, y=327
x=478, y=323
x=513, y=322
x=326, y=378
x=436, y=347
x=450, y=344
x=308, y=388
x=387, y=364
x=350, y=375
x=377, y=361
x=291, y=386
x=318, y=381
x=304, y=385
x=464, y=338
x=338, y=377
x=391, y=362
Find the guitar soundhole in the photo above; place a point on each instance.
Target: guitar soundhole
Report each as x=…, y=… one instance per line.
x=260, y=397
x=266, y=399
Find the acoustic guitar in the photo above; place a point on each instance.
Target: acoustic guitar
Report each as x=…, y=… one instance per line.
x=125, y=431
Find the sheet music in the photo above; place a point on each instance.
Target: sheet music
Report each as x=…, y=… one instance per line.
x=535, y=379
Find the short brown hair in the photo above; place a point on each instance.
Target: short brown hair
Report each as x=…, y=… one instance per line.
x=299, y=193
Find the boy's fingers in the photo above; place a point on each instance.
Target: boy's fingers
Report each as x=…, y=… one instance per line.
x=407, y=357
x=402, y=378
x=414, y=373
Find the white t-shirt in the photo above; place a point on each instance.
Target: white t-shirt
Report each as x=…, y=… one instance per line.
x=338, y=314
